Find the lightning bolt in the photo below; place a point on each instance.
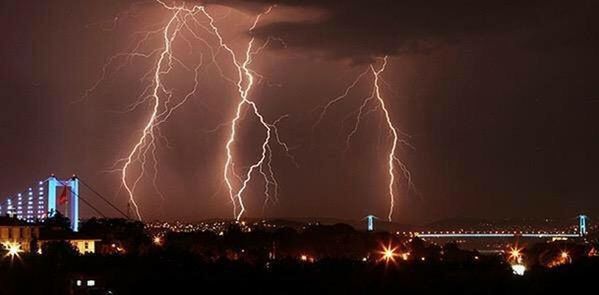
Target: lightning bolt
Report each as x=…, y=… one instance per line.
x=157, y=94
x=147, y=140
x=392, y=157
x=162, y=100
x=393, y=160
x=331, y=102
x=245, y=83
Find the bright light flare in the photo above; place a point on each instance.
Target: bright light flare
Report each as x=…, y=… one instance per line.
x=515, y=254
x=158, y=241
x=389, y=253
x=13, y=249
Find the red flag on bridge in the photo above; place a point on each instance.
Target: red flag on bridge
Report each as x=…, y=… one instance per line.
x=63, y=196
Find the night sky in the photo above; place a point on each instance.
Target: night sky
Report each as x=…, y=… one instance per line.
x=499, y=100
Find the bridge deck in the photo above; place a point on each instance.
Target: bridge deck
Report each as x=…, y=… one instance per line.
x=497, y=235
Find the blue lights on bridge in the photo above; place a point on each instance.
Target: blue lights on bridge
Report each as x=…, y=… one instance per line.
x=36, y=205
x=370, y=222
x=494, y=235
x=582, y=231
x=582, y=225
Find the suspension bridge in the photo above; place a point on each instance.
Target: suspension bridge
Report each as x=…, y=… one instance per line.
x=52, y=195
x=580, y=231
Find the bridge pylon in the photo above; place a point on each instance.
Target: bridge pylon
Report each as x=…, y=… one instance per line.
x=370, y=222
x=583, y=225
x=45, y=200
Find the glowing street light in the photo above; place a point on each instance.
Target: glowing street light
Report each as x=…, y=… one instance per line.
x=157, y=240
x=405, y=256
x=389, y=253
x=563, y=258
x=306, y=258
x=515, y=254
x=13, y=249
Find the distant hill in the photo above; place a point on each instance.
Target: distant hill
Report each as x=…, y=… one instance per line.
x=442, y=224
x=460, y=221
x=299, y=222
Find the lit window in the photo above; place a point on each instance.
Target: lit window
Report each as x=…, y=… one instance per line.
x=78, y=283
x=91, y=283
x=518, y=269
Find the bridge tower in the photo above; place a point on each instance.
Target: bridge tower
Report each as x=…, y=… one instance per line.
x=582, y=225
x=33, y=205
x=370, y=222
x=72, y=210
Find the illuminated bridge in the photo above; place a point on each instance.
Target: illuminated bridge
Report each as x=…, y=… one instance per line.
x=582, y=231
x=49, y=196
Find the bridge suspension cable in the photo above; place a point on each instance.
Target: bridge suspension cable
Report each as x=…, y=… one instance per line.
x=82, y=199
x=103, y=198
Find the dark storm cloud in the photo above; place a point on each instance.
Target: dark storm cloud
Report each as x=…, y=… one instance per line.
x=360, y=30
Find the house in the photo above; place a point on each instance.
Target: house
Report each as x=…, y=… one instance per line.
x=83, y=244
x=26, y=236
x=18, y=233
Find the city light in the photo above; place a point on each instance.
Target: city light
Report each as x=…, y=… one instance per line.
x=518, y=269
x=389, y=253
x=157, y=240
x=563, y=258
x=405, y=256
x=515, y=257
x=13, y=249
x=306, y=258
x=515, y=254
